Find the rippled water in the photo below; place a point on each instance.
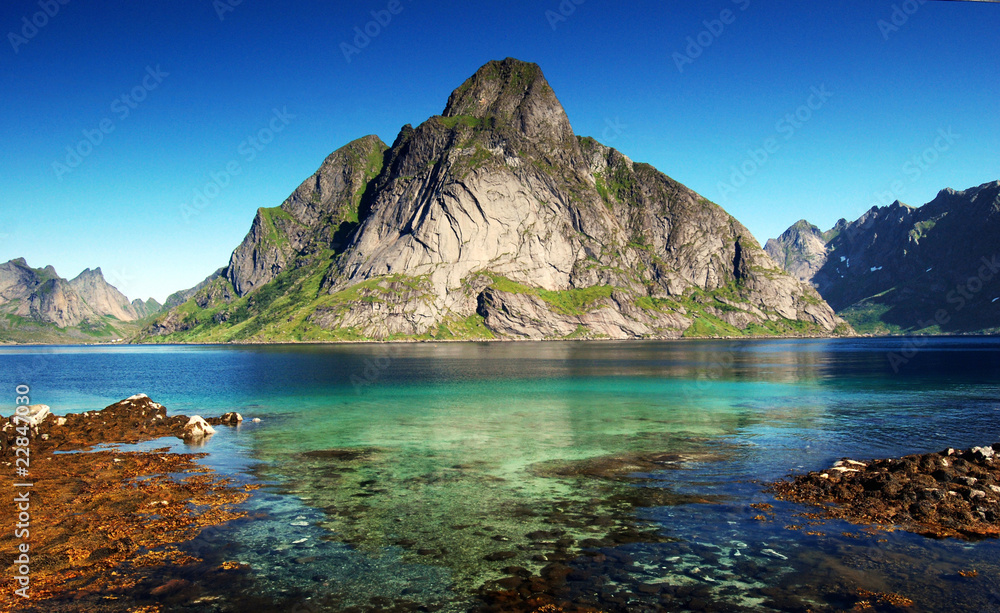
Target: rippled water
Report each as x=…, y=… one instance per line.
x=424, y=473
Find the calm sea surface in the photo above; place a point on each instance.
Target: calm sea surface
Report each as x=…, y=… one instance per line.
x=419, y=475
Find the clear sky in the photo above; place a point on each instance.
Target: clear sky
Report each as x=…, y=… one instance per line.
x=904, y=103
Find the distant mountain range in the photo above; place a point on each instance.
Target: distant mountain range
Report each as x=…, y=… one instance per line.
x=39, y=306
x=900, y=269
x=493, y=221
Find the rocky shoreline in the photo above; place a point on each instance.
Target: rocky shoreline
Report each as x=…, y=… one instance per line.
x=106, y=524
x=950, y=494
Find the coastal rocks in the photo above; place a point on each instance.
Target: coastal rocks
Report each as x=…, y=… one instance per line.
x=196, y=429
x=953, y=493
x=134, y=419
x=231, y=418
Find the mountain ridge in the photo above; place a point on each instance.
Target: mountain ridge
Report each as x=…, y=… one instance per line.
x=493, y=220
x=37, y=305
x=900, y=268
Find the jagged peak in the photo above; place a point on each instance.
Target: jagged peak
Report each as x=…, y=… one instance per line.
x=88, y=273
x=515, y=93
x=803, y=225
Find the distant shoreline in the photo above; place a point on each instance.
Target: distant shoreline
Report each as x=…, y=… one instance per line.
x=503, y=340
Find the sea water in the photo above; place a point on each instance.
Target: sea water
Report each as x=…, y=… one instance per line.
x=422, y=473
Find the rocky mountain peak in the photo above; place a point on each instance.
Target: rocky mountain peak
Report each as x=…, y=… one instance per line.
x=101, y=296
x=513, y=93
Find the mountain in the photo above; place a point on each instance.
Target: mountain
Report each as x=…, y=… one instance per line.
x=904, y=269
x=146, y=308
x=39, y=306
x=102, y=297
x=493, y=220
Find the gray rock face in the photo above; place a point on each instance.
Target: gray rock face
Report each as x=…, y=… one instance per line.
x=495, y=219
x=41, y=295
x=102, y=297
x=505, y=188
x=800, y=250
x=905, y=268
x=55, y=301
x=320, y=214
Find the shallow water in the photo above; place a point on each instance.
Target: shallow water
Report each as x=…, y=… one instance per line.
x=422, y=473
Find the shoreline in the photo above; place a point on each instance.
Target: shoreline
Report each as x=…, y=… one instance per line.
x=107, y=523
x=510, y=340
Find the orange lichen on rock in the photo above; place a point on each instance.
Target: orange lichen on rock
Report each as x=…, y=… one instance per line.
x=103, y=521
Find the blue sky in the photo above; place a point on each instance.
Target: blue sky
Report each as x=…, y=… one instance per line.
x=776, y=110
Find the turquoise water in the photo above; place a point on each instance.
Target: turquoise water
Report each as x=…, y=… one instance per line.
x=418, y=475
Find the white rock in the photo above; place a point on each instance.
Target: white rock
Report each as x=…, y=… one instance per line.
x=197, y=428
x=256, y=420
x=137, y=397
x=60, y=421
x=36, y=413
x=986, y=452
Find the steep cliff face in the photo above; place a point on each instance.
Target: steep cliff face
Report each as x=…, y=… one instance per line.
x=321, y=214
x=897, y=268
x=102, y=297
x=55, y=301
x=495, y=220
